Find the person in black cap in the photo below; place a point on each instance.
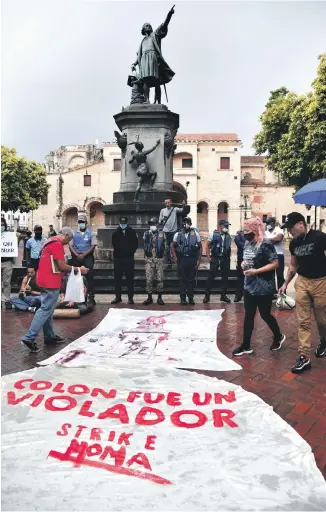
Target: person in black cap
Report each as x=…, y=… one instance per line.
x=125, y=244
x=154, y=248
x=308, y=260
x=186, y=251
x=275, y=235
x=219, y=257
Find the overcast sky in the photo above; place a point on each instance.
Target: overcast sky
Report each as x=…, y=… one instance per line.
x=65, y=65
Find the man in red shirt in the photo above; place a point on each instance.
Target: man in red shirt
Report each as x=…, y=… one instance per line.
x=49, y=277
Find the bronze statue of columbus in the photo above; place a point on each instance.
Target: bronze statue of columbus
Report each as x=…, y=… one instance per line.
x=153, y=69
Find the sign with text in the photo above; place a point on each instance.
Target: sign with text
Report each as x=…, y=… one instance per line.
x=9, y=244
x=149, y=438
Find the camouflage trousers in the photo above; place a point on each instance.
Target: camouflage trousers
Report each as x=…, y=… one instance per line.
x=154, y=270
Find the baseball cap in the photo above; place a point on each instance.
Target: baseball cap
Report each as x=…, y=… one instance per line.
x=81, y=217
x=224, y=222
x=292, y=219
x=188, y=220
x=123, y=220
x=153, y=220
x=270, y=220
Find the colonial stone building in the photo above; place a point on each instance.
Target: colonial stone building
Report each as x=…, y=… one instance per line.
x=208, y=168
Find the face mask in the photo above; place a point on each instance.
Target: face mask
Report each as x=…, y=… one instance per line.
x=3, y=229
x=187, y=226
x=168, y=206
x=225, y=230
x=153, y=228
x=38, y=236
x=269, y=227
x=249, y=236
x=123, y=226
x=82, y=225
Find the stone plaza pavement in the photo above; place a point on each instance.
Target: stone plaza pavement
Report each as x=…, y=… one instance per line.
x=299, y=399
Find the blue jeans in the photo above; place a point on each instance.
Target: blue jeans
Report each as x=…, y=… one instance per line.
x=43, y=316
x=27, y=302
x=169, y=239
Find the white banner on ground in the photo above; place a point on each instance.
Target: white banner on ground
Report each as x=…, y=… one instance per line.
x=9, y=244
x=149, y=438
x=184, y=339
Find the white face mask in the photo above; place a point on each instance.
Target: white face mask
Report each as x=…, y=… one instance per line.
x=153, y=228
x=225, y=230
x=269, y=227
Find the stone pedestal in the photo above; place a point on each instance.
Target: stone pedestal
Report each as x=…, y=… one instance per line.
x=146, y=124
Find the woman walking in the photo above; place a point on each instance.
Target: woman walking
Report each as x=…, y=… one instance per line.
x=259, y=263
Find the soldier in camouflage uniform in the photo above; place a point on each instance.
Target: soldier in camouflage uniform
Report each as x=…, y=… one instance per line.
x=154, y=248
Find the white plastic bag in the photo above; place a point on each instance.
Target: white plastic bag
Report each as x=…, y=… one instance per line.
x=285, y=302
x=75, y=288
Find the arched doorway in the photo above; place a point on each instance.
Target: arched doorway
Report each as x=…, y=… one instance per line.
x=69, y=218
x=177, y=187
x=222, y=211
x=96, y=216
x=202, y=217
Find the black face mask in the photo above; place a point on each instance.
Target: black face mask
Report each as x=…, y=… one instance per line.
x=249, y=236
x=38, y=236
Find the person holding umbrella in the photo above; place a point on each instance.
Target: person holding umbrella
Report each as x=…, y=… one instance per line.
x=308, y=260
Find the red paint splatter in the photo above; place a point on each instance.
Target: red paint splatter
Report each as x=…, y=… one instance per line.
x=109, y=467
x=153, y=321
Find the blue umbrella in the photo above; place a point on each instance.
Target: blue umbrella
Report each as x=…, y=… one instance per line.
x=313, y=194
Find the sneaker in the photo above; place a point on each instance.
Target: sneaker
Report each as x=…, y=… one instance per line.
x=277, y=344
x=32, y=310
x=191, y=301
x=303, y=363
x=117, y=300
x=131, y=301
x=8, y=305
x=225, y=298
x=321, y=349
x=237, y=298
x=31, y=345
x=240, y=351
x=206, y=299
x=53, y=341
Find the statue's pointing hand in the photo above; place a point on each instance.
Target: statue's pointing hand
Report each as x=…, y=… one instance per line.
x=172, y=10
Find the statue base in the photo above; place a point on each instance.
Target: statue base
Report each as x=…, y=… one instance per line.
x=147, y=124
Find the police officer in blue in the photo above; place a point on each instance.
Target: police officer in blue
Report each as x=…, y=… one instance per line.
x=82, y=249
x=186, y=252
x=220, y=259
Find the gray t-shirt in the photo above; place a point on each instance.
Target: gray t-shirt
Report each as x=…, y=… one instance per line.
x=172, y=224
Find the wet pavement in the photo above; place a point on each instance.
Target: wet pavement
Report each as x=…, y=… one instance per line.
x=299, y=399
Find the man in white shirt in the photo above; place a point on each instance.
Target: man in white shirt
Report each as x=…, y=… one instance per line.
x=275, y=235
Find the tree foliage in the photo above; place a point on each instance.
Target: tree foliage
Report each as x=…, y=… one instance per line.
x=293, y=132
x=23, y=182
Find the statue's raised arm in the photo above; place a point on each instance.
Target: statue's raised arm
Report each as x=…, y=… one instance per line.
x=169, y=16
x=153, y=148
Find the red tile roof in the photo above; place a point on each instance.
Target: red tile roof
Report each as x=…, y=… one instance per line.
x=253, y=159
x=207, y=137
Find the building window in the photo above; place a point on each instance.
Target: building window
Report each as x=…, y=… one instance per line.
x=44, y=199
x=213, y=149
x=283, y=219
x=87, y=180
x=225, y=162
x=186, y=163
x=117, y=164
x=308, y=219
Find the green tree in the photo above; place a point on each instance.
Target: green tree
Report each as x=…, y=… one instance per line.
x=23, y=182
x=293, y=132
